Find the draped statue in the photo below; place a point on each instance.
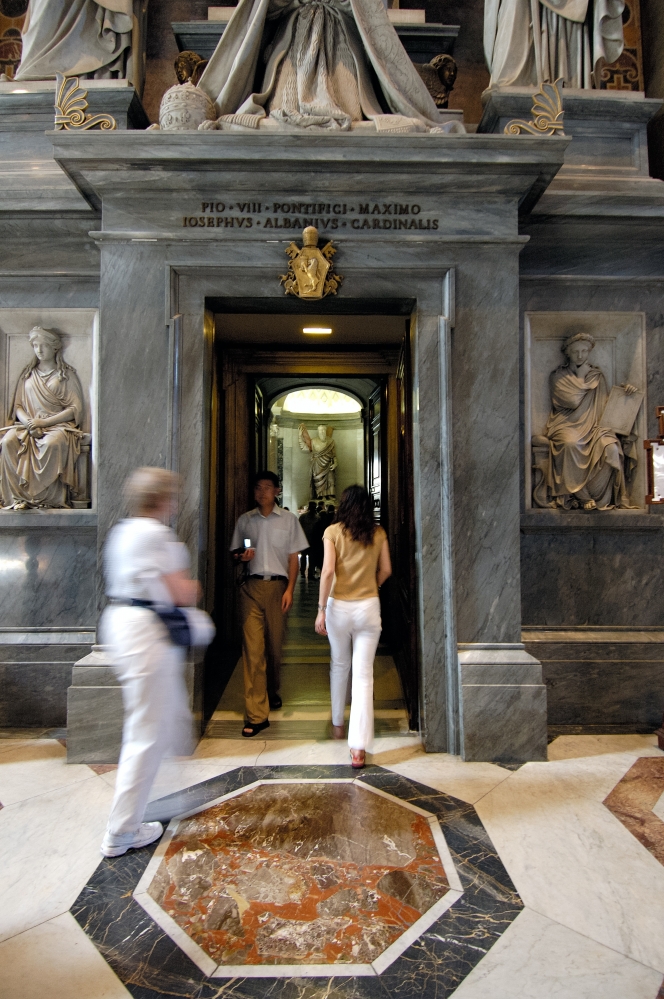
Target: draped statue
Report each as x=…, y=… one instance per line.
x=587, y=464
x=315, y=63
x=84, y=38
x=323, y=452
x=38, y=453
x=529, y=42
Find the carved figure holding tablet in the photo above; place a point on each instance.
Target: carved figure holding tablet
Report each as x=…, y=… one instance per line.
x=586, y=463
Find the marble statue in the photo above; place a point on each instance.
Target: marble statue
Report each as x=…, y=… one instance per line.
x=529, y=42
x=86, y=38
x=323, y=452
x=586, y=464
x=322, y=59
x=38, y=453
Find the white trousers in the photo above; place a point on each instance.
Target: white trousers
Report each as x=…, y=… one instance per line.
x=353, y=627
x=157, y=718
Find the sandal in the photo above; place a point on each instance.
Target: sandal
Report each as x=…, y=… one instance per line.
x=250, y=730
x=357, y=759
x=338, y=731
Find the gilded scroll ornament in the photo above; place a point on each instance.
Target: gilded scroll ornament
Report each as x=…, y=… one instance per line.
x=310, y=271
x=71, y=104
x=547, y=114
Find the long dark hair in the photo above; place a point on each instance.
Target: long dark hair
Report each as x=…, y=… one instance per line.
x=355, y=514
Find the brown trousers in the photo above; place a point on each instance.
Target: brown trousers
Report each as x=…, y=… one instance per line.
x=263, y=626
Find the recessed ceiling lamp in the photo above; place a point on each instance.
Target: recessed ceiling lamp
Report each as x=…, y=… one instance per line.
x=317, y=330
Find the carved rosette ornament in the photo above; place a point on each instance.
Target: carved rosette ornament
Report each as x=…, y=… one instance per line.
x=547, y=114
x=310, y=271
x=71, y=104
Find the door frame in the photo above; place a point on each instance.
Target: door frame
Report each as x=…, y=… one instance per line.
x=413, y=286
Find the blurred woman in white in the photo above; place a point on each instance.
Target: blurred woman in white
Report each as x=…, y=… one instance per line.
x=147, y=568
x=355, y=565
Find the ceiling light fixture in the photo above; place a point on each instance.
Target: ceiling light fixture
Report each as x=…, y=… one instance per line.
x=317, y=330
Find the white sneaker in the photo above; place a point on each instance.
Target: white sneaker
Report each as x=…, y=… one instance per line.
x=115, y=844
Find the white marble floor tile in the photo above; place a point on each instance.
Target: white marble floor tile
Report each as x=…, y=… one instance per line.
x=36, y=766
x=659, y=808
x=248, y=752
x=174, y=775
x=568, y=747
x=540, y=959
x=235, y=752
x=467, y=781
x=217, y=756
x=56, y=960
x=50, y=849
x=572, y=860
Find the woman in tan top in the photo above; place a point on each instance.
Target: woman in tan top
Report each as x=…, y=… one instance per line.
x=356, y=563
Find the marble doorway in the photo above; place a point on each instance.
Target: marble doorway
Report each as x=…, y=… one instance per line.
x=258, y=358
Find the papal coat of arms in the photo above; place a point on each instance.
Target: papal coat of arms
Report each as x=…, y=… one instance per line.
x=310, y=269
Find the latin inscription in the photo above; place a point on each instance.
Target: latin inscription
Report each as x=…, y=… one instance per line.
x=327, y=216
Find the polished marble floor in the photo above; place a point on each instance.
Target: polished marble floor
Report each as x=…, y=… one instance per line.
x=305, y=684
x=560, y=865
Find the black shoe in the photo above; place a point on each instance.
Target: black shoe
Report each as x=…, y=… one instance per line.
x=250, y=730
x=275, y=702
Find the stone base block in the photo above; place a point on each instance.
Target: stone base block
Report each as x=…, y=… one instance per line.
x=95, y=712
x=503, y=704
x=601, y=677
x=33, y=683
x=94, y=724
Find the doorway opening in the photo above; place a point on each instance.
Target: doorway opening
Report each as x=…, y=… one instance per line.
x=279, y=398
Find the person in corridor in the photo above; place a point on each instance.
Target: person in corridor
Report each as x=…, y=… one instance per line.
x=308, y=522
x=269, y=539
x=356, y=563
x=147, y=577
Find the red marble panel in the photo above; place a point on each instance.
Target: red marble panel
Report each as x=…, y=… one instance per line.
x=300, y=874
x=633, y=799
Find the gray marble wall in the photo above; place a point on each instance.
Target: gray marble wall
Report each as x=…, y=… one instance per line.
x=48, y=561
x=465, y=365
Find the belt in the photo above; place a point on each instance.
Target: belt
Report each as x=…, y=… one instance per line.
x=266, y=578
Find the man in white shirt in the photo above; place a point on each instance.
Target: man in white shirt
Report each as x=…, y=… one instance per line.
x=269, y=539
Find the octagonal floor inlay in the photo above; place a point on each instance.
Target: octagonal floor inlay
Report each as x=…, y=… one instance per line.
x=314, y=874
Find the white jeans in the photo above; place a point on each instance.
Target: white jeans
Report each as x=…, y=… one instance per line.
x=353, y=627
x=157, y=717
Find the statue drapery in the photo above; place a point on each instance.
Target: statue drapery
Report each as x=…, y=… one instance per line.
x=586, y=459
x=323, y=452
x=319, y=56
x=84, y=38
x=574, y=37
x=38, y=470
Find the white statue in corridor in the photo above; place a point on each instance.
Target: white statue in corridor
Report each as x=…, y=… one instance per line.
x=529, y=42
x=39, y=452
x=323, y=452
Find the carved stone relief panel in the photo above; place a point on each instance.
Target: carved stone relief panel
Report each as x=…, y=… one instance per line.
x=47, y=400
x=585, y=411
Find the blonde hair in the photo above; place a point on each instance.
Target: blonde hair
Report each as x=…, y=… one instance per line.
x=146, y=489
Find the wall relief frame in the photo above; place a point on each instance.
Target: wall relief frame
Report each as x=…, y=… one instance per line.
x=619, y=351
x=77, y=330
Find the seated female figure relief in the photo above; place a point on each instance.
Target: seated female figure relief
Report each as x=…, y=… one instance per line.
x=40, y=450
